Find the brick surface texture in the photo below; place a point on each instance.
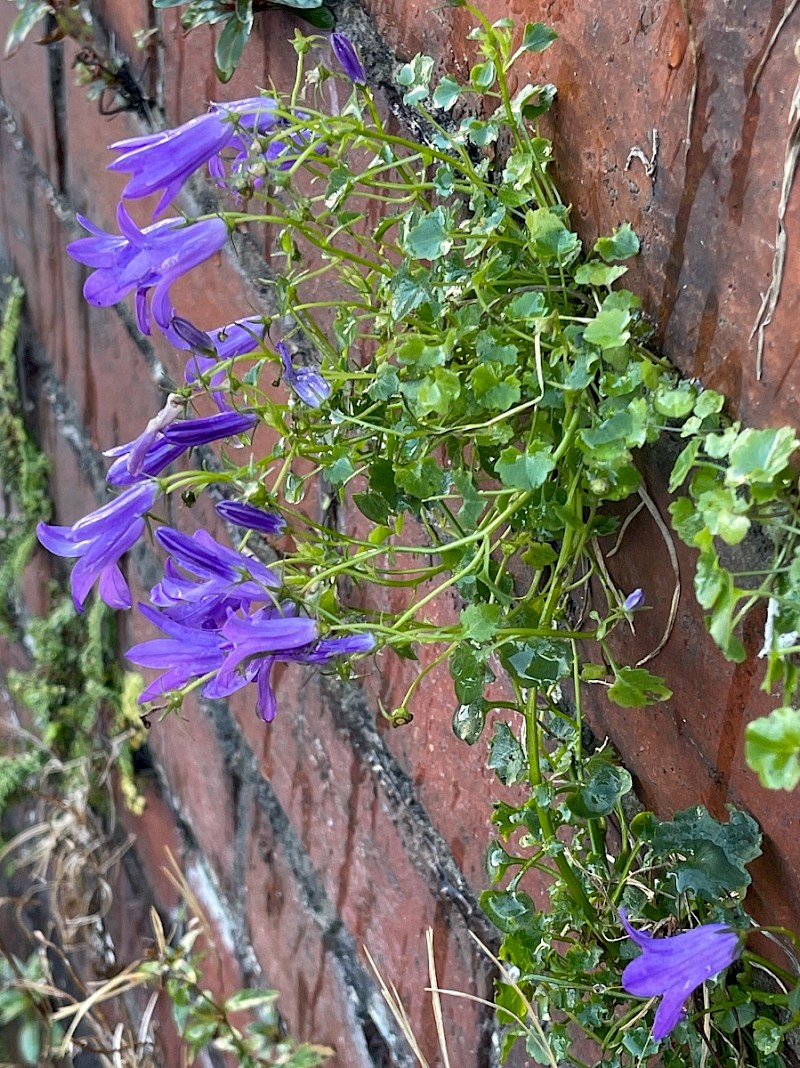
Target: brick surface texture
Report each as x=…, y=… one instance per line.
x=328, y=831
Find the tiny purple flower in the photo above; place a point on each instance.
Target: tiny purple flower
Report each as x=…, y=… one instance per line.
x=635, y=599
x=142, y=259
x=307, y=382
x=348, y=58
x=672, y=968
x=245, y=515
x=100, y=539
x=166, y=160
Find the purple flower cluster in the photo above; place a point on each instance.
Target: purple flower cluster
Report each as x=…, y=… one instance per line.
x=222, y=614
x=101, y=538
x=223, y=621
x=166, y=160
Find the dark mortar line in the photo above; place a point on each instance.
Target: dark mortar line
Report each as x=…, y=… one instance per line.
x=362, y=990
x=58, y=102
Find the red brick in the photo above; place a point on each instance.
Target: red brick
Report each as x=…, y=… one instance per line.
x=25, y=87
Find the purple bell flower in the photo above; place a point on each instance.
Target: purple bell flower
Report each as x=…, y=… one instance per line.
x=166, y=160
x=99, y=540
x=672, y=968
x=156, y=451
x=187, y=653
x=221, y=570
x=245, y=515
x=307, y=382
x=634, y=600
x=142, y=259
x=252, y=639
x=348, y=58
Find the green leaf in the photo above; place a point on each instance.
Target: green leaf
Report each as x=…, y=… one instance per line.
x=767, y=1035
x=708, y=403
x=536, y=37
x=772, y=748
x=409, y=290
x=605, y=784
x=480, y=621
x=636, y=688
x=230, y=45
x=490, y=349
x=340, y=470
x=706, y=857
x=483, y=75
x=525, y=470
x=437, y=392
x=494, y=391
x=537, y=661
x=422, y=479
x=168, y=3
x=506, y=756
x=373, y=506
x=760, y=455
x=415, y=77
x=468, y=671
x=321, y=17
x=620, y=246
x=23, y=24
x=29, y=1040
x=469, y=721
x=551, y=239
x=430, y=238
x=609, y=328
x=675, y=403
x=527, y=306
x=718, y=446
x=446, y=93
x=509, y=910
x=498, y=862
x=597, y=273
x=684, y=464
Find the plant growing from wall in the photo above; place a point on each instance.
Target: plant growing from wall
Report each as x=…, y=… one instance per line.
x=474, y=385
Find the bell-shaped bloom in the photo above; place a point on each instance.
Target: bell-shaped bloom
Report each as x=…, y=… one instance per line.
x=348, y=57
x=634, y=600
x=217, y=572
x=186, y=653
x=99, y=540
x=141, y=260
x=153, y=451
x=166, y=160
x=671, y=968
x=307, y=382
x=245, y=515
x=253, y=650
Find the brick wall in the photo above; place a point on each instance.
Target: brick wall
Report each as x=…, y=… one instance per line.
x=327, y=830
